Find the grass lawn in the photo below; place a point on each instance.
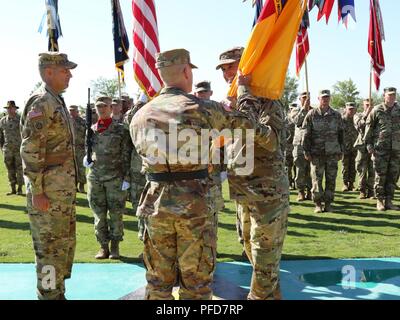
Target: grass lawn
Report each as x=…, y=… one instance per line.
x=354, y=230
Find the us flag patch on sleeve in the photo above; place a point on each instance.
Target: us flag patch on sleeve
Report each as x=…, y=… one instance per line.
x=34, y=114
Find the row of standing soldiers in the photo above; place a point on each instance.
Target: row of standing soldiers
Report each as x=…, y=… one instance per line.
x=366, y=142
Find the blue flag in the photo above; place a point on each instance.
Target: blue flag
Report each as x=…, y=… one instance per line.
x=121, y=42
x=346, y=7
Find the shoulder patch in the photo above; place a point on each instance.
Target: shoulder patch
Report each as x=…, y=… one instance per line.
x=34, y=114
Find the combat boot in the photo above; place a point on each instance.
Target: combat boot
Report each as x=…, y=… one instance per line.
x=328, y=207
x=19, y=191
x=114, y=252
x=351, y=186
x=390, y=206
x=345, y=187
x=380, y=205
x=81, y=188
x=308, y=195
x=363, y=195
x=13, y=191
x=103, y=253
x=371, y=194
x=301, y=196
x=318, y=207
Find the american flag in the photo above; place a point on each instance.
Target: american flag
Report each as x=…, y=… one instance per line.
x=145, y=40
x=376, y=35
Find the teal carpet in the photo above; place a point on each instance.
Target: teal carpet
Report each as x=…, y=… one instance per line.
x=359, y=279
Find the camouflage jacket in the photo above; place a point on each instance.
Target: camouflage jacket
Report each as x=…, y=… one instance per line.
x=360, y=122
x=349, y=134
x=47, y=143
x=80, y=132
x=290, y=129
x=111, y=152
x=154, y=131
x=382, y=132
x=10, y=135
x=298, y=118
x=269, y=178
x=323, y=133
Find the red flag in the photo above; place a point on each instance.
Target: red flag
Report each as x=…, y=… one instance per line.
x=376, y=35
x=302, y=43
x=146, y=46
x=326, y=10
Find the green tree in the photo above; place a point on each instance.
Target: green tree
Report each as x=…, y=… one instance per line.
x=344, y=91
x=290, y=92
x=103, y=86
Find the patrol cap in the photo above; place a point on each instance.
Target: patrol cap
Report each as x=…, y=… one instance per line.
x=105, y=99
x=304, y=94
x=55, y=59
x=173, y=57
x=202, y=86
x=230, y=56
x=351, y=105
x=73, y=107
x=100, y=104
x=390, y=90
x=367, y=100
x=116, y=101
x=325, y=93
x=11, y=104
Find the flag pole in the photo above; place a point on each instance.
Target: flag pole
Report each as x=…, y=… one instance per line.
x=306, y=72
x=119, y=84
x=370, y=84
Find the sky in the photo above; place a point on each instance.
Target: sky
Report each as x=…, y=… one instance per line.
x=205, y=28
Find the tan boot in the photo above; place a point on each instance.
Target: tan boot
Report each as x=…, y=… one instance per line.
x=390, y=206
x=301, y=196
x=380, y=206
x=114, y=252
x=318, y=207
x=103, y=253
x=345, y=187
x=363, y=195
x=13, y=191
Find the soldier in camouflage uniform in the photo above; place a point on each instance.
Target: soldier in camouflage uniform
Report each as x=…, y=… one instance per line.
x=179, y=236
x=108, y=179
x=202, y=90
x=80, y=134
x=382, y=138
x=10, y=142
x=364, y=165
x=289, y=161
x=117, y=114
x=350, y=152
x=323, y=148
x=263, y=196
x=303, y=177
x=138, y=180
x=47, y=152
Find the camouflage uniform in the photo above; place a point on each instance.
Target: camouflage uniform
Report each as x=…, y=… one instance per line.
x=137, y=179
x=303, y=177
x=10, y=142
x=350, y=152
x=263, y=197
x=382, y=136
x=80, y=134
x=179, y=236
x=111, y=151
x=289, y=160
x=49, y=166
x=364, y=165
x=323, y=141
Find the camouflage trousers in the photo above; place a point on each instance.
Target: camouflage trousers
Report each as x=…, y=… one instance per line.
x=264, y=225
x=303, y=177
x=215, y=203
x=327, y=165
x=366, y=172
x=81, y=174
x=387, y=166
x=107, y=197
x=176, y=247
x=349, y=167
x=138, y=181
x=13, y=162
x=289, y=162
x=53, y=235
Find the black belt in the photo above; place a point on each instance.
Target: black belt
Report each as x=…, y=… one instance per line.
x=177, y=176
